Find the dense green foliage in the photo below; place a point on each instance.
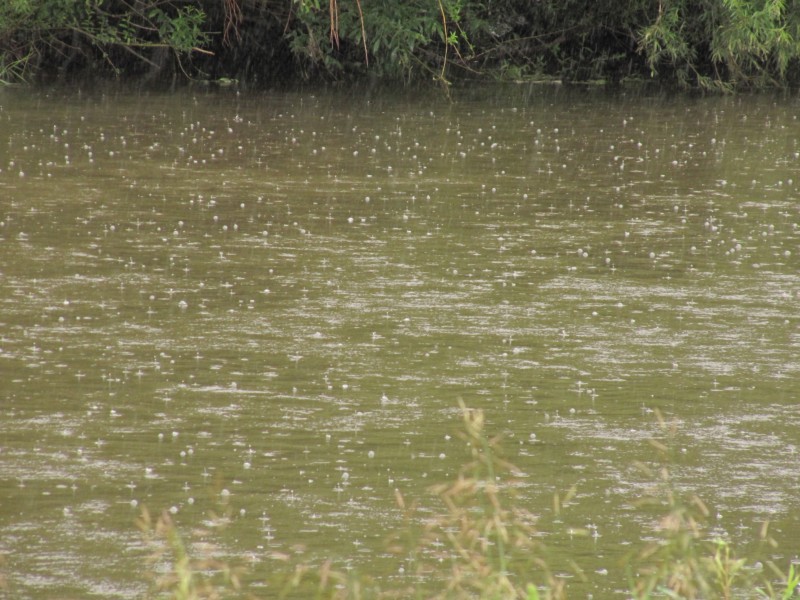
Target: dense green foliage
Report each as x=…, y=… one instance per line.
x=68, y=35
x=712, y=44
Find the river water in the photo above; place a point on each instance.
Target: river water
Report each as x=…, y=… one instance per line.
x=270, y=304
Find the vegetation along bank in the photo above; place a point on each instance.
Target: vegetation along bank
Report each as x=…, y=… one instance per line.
x=707, y=44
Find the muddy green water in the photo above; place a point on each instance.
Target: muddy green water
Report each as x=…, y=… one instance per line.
x=273, y=302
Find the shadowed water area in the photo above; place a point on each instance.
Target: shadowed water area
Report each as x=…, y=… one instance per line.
x=270, y=304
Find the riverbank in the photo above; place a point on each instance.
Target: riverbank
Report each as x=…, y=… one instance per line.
x=712, y=45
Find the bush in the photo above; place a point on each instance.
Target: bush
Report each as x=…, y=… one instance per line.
x=115, y=36
x=719, y=45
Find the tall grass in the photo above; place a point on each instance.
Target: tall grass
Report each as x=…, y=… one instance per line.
x=487, y=541
x=686, y=560
x=483, y=544
x=182, y=573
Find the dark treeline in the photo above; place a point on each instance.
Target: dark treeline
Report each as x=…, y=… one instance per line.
x=708, y=44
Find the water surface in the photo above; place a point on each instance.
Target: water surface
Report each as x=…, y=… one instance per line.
x=273, y=302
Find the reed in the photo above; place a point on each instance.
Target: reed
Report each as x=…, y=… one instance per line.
x=185, y=571
x=488, y=542
x=482, y=544
x=686, y=561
